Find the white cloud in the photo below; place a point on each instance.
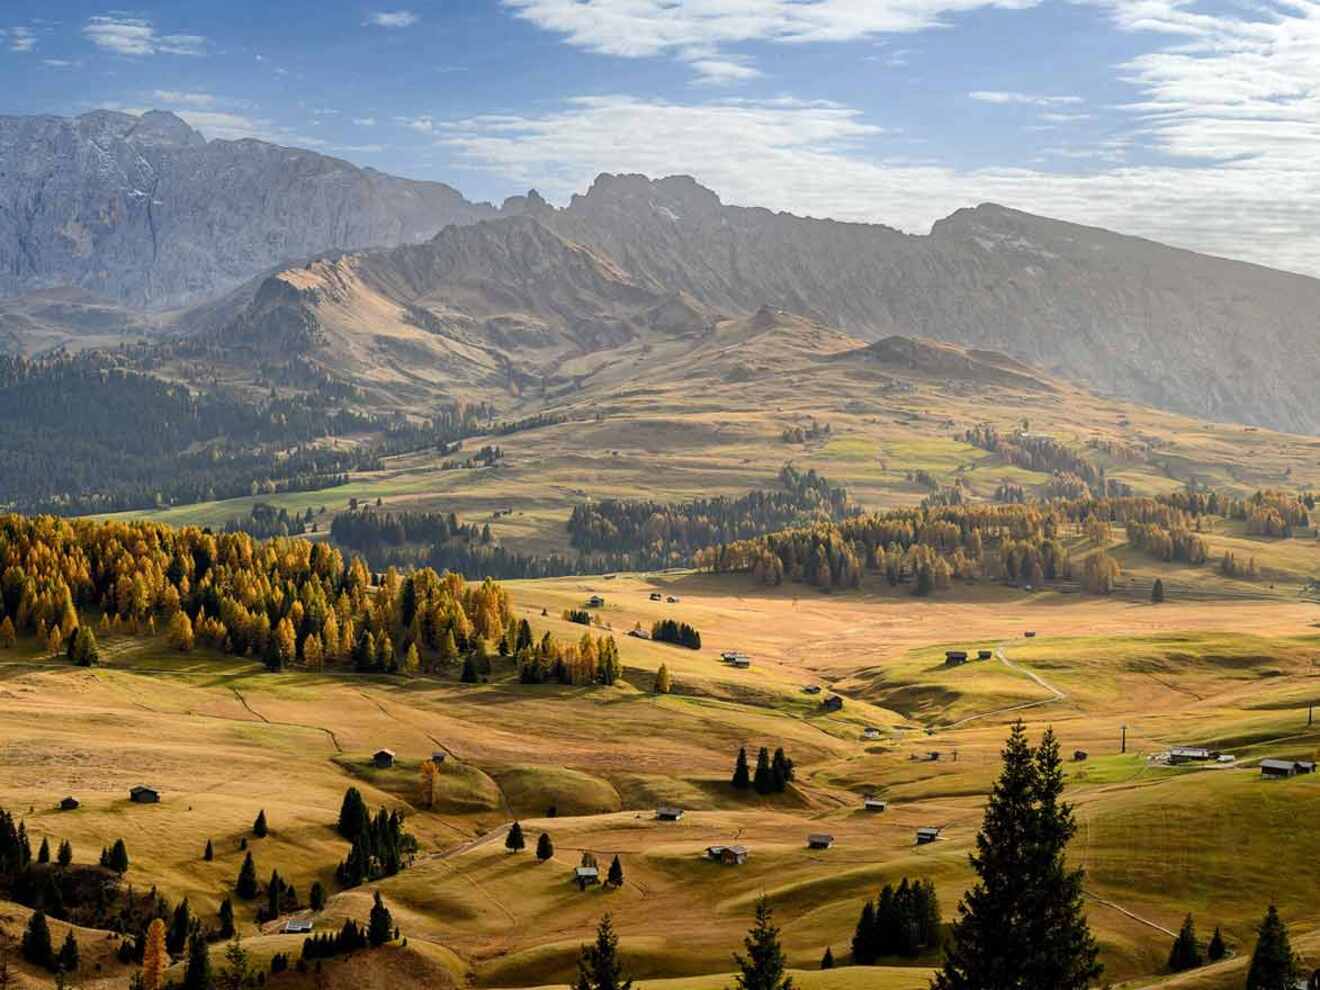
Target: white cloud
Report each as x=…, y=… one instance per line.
x=824, y=159
x=58, y=63
x=392, y=19
x=1021, y=99
x=178, y=98
x=423, y=125
x=137, y=36
x=22, y=39
x=700, y=30
x=365, y=121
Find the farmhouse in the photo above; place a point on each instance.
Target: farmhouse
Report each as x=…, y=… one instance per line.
x=819, y=840
x=668, y=814
x=872, y=803
x=927, y=835
x=1189, y=754
x=955, y=658
x=69, y=804
x=729, y=855
x=383, y=758
x=144, y=795
x=586, y=876
x=297, y=926
x=832, y=704
x=1278, y=768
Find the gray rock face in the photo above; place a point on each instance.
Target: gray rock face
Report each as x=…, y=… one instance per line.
x=146, y=211
x=1163, y=326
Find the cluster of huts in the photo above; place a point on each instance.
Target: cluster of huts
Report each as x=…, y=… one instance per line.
x=956, y=658
x=736, y=659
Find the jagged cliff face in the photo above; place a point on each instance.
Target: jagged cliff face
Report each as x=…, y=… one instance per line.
x=1171, y=328
x=144, y=210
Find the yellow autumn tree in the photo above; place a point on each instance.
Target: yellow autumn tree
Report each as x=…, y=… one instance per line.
x=54, y=639
x=662, y=681
x=313, y=656
x=286, y=643
x=154, y=958
x=412, y=660
x=429, y=773
x=7, y=636
x=181, y=632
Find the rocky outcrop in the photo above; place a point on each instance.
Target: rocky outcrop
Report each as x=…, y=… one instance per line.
x=146, y=211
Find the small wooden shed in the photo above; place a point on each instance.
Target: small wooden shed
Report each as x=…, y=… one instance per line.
x=927, y=835
x=819, y=840
x=1278, y=768
x=144, y=795
x=872, y=803
x=69, y=804
x=729, y=855
x=383, y=759
x=667, y=813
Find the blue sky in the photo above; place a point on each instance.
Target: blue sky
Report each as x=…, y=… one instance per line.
x=1193, y=123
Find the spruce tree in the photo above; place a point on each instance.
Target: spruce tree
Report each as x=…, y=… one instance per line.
x=544, y=847
x=514, y=841
x=469, y=675
x=380, y=925
x=246, y=885
x=176, y=938
x=763, y=779
x=208, y=853
x=65, y=855
x=316, y=896
x=614, y=877
x=827, y=960
x=36, y=941
x=118, y=857
x=763, y=968
x=1217, y=949
x=226, y=916
x=43, y=854
x=599, y=966
x=1021, y=924
x=863, y=943
x=742, y=777
x=1185, y=954
x=353, y=815
x=68, y=957
x=259, y=827
x=1273, y=965
x=1157, y=592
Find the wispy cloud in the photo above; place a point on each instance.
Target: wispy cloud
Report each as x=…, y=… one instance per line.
x=1020, y=99
x=824, y=159
x=137, y=37
x=365, y=121
x=177, y=98
x=392, y=19
x=701, y=32
x=21, y=39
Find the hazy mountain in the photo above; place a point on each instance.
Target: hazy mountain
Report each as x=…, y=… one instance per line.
x=1165, y=326
x=146, y=211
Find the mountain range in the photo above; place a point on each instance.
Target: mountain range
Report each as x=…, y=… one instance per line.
x=416, y=290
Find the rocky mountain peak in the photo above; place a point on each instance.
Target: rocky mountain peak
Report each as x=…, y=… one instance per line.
x=162, y=129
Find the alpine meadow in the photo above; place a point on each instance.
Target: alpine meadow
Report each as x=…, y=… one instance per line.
x=659, y=495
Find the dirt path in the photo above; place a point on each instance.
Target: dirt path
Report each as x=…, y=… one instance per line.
x=1003, y=658
x=1126, y=913
x=334, y=740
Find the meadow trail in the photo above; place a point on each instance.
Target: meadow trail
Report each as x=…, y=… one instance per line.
x=1058, y=695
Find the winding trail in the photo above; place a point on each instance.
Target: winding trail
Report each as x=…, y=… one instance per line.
x=1058, y=695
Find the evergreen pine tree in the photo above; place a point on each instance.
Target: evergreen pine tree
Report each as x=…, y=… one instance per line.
x=43, y=854
x=544, y=847
x=246, y=885
x=599, y=966
x=514, y=841
x=118, y=857
x=353, y=815
x=863, y=947
x=259, y=827
x=469, y=675
x=208, y=853
x=763, y=966
x=1157, y=592
x=176, y=938
x=380, y=925
x=226, y=916
x=36, y=941
x=316, y=896
x=65, y=855
x=1217, y=949
x=274, y=894
x=763, y=780
x=827, y=960
x=742, y=778
x=1273, y=965
x=1185, y=954
x=1021, y=924
x=68, y=957
x=614, y=877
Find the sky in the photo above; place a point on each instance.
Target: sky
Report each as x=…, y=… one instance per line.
x=1193, y=123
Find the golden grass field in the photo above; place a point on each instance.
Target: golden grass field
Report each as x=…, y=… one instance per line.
x=223, y=739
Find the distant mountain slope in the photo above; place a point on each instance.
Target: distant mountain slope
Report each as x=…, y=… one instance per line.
x=146, y=211
x=1164, y=326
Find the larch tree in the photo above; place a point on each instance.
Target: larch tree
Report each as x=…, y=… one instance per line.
x=181, y=632
x=662, y=680
x=155, y=960
x=428, y=776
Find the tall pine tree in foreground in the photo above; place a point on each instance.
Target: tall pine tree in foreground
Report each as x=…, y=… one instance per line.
x=599, y=967
x=1021, y=926
x=1273, y=965
x=763, y=966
